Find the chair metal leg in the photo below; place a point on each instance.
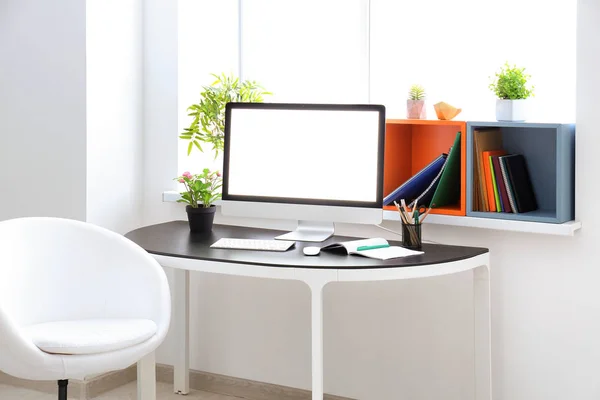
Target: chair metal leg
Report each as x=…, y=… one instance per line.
x=62, y=389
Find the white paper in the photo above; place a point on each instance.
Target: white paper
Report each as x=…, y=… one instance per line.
x=353, y=245
x=387, y=253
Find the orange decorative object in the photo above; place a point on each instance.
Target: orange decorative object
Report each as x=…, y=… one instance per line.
x=445, y=111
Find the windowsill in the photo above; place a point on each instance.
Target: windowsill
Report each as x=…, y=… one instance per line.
x=565, y=229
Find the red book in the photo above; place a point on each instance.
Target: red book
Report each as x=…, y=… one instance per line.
x=500, y=184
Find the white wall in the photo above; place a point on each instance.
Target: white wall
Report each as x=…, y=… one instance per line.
x=160, y=143
x=42, y=109
x=408, y=339
x=159, y=107
x=70, y=110
x=114, y=114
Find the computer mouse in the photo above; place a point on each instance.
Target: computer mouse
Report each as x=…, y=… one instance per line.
x=311, y=251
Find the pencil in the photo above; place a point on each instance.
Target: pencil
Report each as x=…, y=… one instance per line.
x=401, y=212
x=408, y=217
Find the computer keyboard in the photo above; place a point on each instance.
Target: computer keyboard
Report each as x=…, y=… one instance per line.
x=253, y=244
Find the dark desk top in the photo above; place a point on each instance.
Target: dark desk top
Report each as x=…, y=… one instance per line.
x=175, y=240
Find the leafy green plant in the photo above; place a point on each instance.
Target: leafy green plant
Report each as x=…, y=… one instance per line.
x=416, y=92
x=208, y=123
x=201, y=190
x=510, y=83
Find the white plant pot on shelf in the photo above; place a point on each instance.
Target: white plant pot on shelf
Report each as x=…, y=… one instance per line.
x=511, y=110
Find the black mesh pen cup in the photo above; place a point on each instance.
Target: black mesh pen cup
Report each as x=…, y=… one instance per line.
x=411, y=236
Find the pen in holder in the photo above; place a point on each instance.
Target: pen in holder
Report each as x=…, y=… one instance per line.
x=411, y=224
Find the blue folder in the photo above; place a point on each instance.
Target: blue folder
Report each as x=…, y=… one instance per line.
x=417, y=184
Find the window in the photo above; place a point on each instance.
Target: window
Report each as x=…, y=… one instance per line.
x=453, y=47
x=208, y=43
x=371, y=51
x=307, y=51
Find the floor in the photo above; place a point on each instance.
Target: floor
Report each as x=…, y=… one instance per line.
x=164, y=391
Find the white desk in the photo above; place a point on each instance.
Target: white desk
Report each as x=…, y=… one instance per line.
x=173, y=246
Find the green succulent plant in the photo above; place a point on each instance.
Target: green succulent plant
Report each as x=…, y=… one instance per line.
x=416, y=92
x=510, y=83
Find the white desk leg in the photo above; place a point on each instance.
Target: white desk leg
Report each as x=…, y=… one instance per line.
x=317, y=340
x=181, y=329
x=482, y=325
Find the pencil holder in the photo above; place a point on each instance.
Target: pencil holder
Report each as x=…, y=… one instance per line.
x=411, y=236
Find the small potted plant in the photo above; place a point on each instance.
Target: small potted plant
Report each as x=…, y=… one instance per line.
x=512, y=92
x=415, y=105
x=201, y=191
x=208, y=116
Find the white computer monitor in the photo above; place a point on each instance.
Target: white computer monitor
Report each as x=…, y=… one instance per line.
x=314, y=163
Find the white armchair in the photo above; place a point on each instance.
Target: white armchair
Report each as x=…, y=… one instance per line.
x=78, y=300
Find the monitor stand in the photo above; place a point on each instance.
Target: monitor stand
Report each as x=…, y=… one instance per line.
x=310, y=231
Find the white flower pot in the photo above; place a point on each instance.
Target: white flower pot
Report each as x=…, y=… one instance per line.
x=511, y=110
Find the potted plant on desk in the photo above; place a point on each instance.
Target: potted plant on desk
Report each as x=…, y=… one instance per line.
x=201, y=191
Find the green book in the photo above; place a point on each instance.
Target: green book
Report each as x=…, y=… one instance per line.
x=496, y=195
x=447, y=192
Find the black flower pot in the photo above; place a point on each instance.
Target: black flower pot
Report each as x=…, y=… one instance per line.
x=201, y=218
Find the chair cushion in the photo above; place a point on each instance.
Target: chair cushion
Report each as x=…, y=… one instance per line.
x=90, y=336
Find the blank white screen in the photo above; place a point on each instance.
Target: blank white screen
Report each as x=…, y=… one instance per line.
x=307, y=154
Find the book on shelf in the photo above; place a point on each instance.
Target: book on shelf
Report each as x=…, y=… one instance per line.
x=494, y=194
x=501, y=180
x=447, y=192
x=520, y=182
x=508, y=186
x=420, y=186
x=484, y=139
x=487, y=173
x=500, y=185
x=509, y=192
x=436, y=185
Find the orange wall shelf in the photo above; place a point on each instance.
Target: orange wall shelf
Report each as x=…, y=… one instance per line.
x=411, y=144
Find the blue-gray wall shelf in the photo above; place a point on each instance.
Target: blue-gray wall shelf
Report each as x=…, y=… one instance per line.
x=549, y=150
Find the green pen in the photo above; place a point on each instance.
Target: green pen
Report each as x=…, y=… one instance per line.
x=379, y=246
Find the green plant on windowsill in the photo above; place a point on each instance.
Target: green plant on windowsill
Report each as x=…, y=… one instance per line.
x=510, y=83
x=208, y=123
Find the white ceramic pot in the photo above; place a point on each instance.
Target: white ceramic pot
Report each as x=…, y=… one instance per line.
x=511, y=110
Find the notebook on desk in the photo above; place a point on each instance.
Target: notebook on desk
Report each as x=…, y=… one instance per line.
x=378, y=248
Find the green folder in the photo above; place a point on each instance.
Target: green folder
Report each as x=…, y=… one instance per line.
x=447, y=192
